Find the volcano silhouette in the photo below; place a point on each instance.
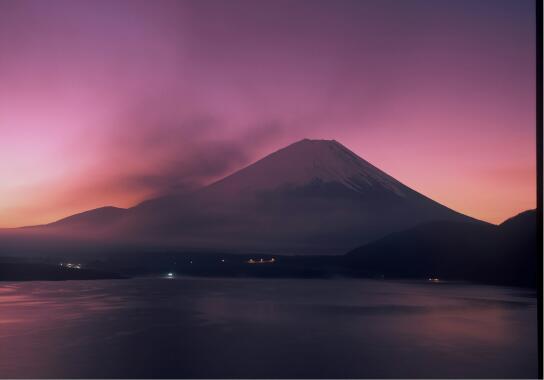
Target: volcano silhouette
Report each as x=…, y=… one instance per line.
x=311, y=197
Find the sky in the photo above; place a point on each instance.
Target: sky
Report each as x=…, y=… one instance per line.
x=113, y=102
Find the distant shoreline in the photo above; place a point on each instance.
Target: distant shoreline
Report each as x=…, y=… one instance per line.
x=48, y=272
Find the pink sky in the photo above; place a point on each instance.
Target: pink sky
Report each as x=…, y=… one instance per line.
x=112, y=102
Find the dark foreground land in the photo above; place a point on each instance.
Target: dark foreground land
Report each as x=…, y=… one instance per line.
x=474, y=252
x=48, y=272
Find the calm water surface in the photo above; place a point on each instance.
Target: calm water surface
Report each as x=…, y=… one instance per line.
x=191, y=327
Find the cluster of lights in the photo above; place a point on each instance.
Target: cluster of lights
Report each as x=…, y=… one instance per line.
x=71, y=266
x=261, y=261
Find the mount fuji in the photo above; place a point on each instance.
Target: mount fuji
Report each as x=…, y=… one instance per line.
x=311, y=197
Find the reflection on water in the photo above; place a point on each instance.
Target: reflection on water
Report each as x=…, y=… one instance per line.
x=265, y=328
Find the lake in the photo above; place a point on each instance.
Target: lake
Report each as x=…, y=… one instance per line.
x=266, y=328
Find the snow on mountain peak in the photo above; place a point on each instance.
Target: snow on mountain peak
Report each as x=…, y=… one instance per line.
x=306, y=161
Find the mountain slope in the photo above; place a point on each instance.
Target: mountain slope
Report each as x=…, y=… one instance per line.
x=503, y=254
x=305, y=161
x=314, y=196
x=91, y=218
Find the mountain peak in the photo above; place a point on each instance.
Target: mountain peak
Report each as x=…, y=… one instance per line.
x=316, y=141
x=307, y=161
